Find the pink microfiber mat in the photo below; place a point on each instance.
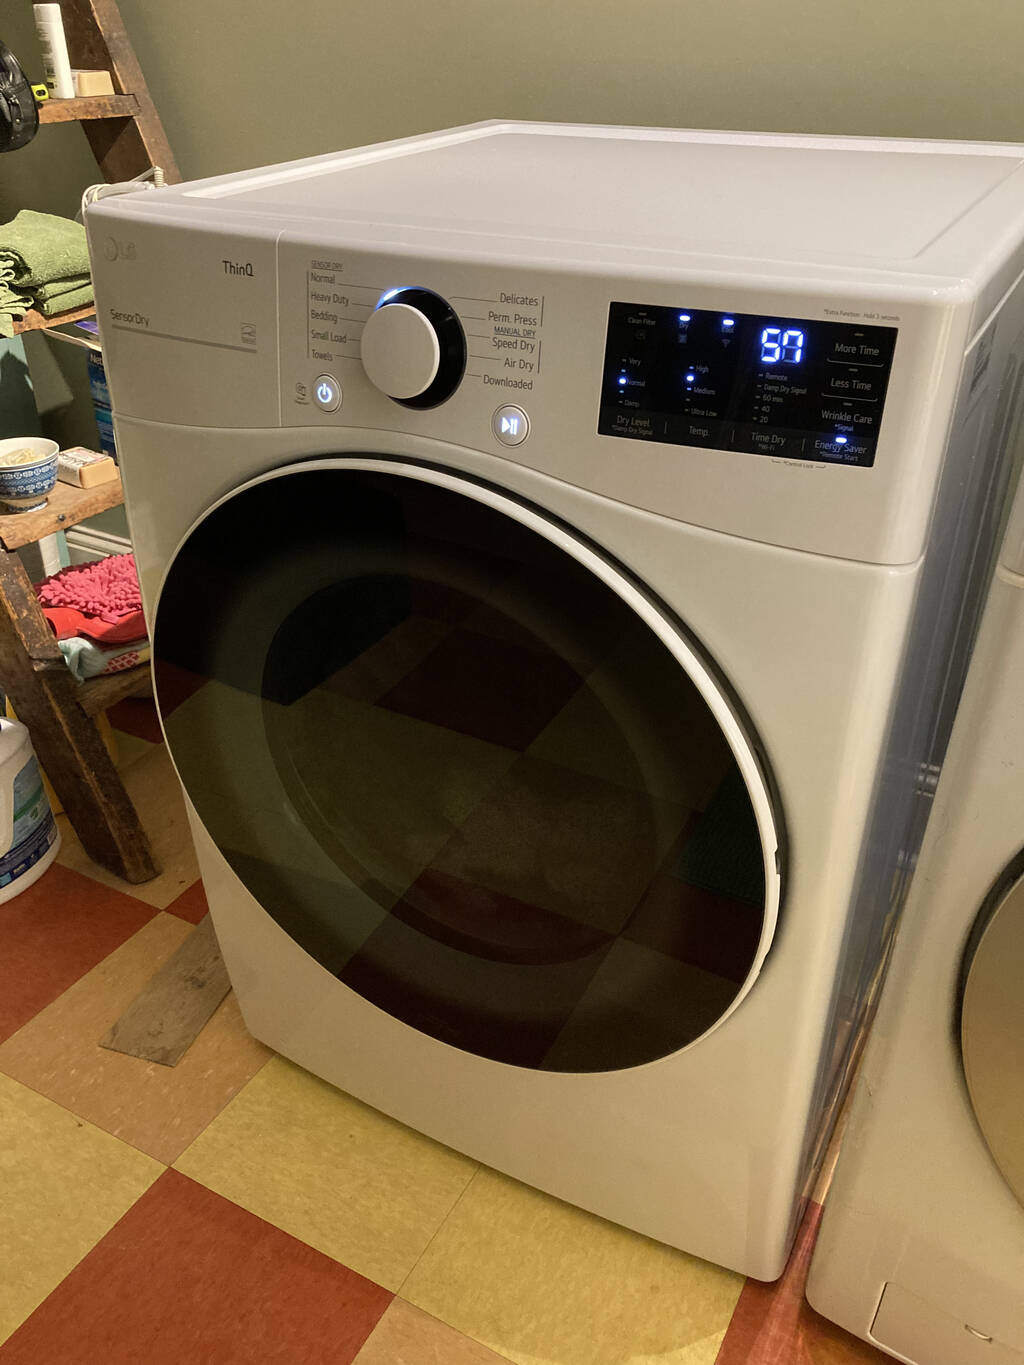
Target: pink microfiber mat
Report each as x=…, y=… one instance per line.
x=100, y=600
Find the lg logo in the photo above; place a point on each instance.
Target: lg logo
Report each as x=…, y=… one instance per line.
x=118, y=251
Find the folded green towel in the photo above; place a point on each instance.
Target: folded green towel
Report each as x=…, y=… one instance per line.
x=37, y=248
x=63, y=303
x=12, y=305
x=44, y=293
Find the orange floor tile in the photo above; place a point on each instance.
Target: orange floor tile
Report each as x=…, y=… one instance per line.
x=234, y=1209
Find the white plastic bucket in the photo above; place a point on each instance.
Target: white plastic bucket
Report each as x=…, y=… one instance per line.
x=29, y=837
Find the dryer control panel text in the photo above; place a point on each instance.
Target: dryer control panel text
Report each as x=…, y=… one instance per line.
x=788, y=387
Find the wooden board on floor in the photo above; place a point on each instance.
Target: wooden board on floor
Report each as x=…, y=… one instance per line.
x=169, y=1013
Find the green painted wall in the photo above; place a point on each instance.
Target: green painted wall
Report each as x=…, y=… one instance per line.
x=246, y=82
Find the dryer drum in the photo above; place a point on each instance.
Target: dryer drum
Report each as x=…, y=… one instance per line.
x=459, y=768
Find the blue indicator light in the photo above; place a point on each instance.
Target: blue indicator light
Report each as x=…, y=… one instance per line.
x=622, y=379
x=690, y=378
x=324, y=391
x=728, y=322
x=387, y=297
x=684, y=317
x=792, y=346
x=840, y=440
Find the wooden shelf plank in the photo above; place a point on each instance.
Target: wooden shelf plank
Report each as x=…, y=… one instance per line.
x=65, y=507
x=33, y=320
x=88, y=107
x=96, y=694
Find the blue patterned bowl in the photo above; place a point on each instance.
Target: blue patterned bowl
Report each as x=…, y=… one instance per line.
x=24, y=487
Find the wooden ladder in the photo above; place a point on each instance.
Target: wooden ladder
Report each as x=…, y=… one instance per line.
x=126, y=137
x=123, y=129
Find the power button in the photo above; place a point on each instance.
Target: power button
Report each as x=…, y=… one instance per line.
x=327, y=393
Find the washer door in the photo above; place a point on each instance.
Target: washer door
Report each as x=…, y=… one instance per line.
x=992, y=1026
x=467, y=764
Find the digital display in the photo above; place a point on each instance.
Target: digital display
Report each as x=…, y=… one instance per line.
x=788, y=387
x=780, y=347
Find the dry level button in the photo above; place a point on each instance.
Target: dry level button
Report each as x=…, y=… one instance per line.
x=511, y=425
x=327, y=393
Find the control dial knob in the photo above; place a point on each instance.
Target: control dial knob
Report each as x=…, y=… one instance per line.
x=413, y=348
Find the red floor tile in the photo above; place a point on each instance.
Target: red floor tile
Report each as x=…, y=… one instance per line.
x=54, y=933
x=175, y=685
x=492, y=689
x=713, y=932
x=477, y=920
x=191, y=904
x=136, y=716
x=775, y=1325
x=498, y=1010
x=187, y=1276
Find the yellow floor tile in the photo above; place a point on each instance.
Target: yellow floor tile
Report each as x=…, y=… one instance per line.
x=593, y=845
x=338, y=1175
x=407, y=1336
x=346, y=756
x=130, y=748
x=64, y=1185
x=151, y=783
x=157, y=1109
x=539, y=1281
x=639, y=722
x=322, y=787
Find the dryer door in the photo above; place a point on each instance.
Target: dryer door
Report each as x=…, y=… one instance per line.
x=992, y=1025
x=468, y=764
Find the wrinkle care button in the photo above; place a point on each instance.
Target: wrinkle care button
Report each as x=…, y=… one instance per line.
x=327, y=393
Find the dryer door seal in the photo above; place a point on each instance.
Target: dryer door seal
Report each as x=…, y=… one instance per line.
x=468, y=764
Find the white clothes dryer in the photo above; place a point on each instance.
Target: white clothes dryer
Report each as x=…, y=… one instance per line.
x=922, y=1242
x=562, y=547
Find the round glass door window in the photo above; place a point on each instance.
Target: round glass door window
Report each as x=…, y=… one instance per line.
x=467, y=765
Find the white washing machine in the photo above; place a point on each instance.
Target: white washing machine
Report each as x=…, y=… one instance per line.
x=922, y=1243
x=562, y=546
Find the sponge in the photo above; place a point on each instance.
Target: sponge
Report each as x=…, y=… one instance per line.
x=85, y=468
x=92, y=83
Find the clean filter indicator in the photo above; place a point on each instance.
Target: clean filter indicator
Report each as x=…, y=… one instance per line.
x=788, y=387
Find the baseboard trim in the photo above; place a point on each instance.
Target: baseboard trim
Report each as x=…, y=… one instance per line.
x=85, y=544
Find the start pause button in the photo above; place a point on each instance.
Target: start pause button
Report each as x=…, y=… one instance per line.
x=511, y=425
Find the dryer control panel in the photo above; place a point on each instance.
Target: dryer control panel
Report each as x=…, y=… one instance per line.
x=781, y=386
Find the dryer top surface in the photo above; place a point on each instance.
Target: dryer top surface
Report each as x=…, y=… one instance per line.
x=731, y=195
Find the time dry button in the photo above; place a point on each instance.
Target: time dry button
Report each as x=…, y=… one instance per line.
x=511, y=425
x=327, y=393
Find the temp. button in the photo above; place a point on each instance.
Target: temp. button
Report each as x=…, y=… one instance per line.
x=511, y=425
x=327, y=393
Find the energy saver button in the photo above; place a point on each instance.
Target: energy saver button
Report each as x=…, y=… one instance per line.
x=511, y=425
x=327, y=393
